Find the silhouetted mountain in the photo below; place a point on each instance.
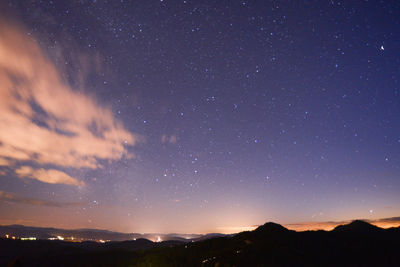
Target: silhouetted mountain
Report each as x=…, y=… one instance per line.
x=212, y=235
x=357, y=226
x=271, y=227
x=354, y=244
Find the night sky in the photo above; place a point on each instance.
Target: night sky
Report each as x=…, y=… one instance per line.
x=198, y=116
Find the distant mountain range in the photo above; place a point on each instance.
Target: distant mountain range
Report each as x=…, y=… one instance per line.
x=355, y=244
x=94, y=234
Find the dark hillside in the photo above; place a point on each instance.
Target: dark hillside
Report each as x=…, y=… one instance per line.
x=355, y=244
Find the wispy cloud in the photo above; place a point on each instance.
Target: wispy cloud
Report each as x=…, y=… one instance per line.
x=48, y=176
x=15, y=198
x=4, y=162
x=389, y=220
x=45, y=121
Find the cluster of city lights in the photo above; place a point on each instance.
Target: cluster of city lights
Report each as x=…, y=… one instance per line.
x=58, y=237
x=22, y=238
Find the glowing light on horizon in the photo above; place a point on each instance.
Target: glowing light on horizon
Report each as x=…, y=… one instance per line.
x=28, y=238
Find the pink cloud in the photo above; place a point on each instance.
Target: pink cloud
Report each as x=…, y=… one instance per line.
x=48, y=176
x=45, y=121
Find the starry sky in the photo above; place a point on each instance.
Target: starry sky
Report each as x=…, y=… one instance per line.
x=198, y=116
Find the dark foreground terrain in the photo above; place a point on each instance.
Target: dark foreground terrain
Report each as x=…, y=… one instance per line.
x=355, y=244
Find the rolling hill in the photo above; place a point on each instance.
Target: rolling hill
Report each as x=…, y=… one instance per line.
x=354, y=244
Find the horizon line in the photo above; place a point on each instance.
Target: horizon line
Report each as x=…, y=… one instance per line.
x=298, y=227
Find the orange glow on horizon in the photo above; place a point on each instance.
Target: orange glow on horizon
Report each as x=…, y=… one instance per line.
x=328, y=226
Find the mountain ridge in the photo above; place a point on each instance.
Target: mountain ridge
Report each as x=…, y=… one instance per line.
x=269, y=245
x=94, y=234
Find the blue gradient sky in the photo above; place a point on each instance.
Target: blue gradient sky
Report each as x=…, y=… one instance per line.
x=197, y=116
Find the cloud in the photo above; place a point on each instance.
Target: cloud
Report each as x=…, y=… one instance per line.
x=4, y=162
x=389, y=220
x=15, y=198
x=45, y=121
x=48, y=176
